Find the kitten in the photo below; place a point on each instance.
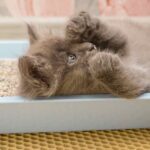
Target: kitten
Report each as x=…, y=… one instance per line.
x=93, y=57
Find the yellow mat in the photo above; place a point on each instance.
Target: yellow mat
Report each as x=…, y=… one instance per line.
x=93, y=140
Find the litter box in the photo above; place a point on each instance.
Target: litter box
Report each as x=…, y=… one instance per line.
x=68, y=113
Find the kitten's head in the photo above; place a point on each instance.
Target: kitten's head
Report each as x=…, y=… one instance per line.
x=48, y=61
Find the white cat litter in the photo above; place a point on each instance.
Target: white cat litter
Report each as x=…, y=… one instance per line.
x=9, y=79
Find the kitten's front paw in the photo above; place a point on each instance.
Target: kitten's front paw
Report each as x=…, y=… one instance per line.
x=103, y=65
x=78, y=25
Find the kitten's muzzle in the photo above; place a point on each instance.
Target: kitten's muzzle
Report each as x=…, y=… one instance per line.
x=92, y=47
x=92, y=50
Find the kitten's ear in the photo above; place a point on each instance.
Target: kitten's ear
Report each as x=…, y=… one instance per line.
x=36, y=76
x=33, y=37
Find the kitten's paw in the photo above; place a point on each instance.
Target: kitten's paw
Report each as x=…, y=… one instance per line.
x=104, y=65
x=78, y=25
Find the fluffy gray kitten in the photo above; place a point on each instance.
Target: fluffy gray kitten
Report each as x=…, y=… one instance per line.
x=93, y=57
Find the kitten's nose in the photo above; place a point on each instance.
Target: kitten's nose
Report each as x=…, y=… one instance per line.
x=92, y=47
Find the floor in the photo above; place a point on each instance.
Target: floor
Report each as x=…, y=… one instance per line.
x=93, y=140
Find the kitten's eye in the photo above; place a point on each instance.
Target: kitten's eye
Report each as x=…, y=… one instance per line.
x=71, y=58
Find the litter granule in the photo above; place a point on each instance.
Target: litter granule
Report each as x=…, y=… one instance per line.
x=9, y=77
